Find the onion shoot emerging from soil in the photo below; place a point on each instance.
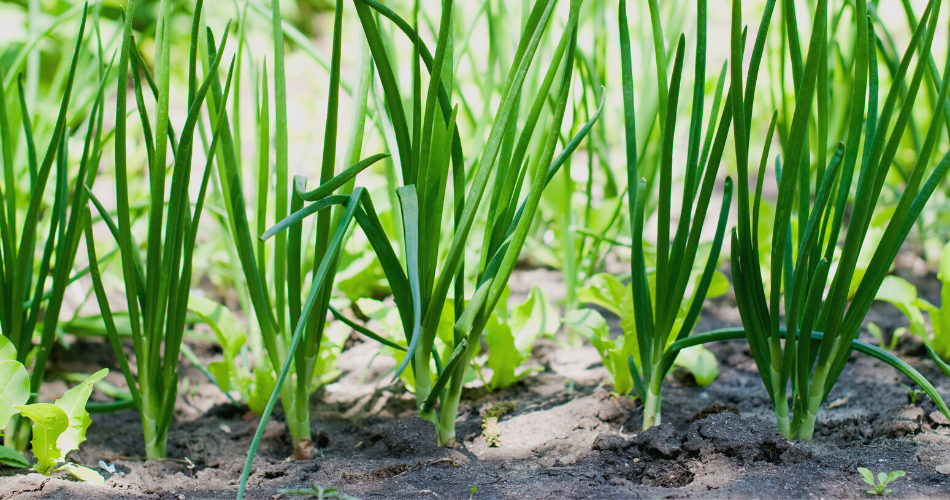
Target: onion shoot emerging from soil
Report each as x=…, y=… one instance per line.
x=660, y=317
x=799, y=266
x=156, y=290
x=425, y=154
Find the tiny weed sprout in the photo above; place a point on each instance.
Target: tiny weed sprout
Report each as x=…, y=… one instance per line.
x=821, y=324
x=883, y=479
x=318, y=492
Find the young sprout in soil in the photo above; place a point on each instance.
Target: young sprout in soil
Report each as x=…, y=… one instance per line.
x=912, y=394
x=883, y=479
x=319, y=492
x=822, y=326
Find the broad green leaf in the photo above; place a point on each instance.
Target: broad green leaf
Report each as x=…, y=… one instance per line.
x=503, y=355
x=628, y=324
x=903, y=295
x=231, y=336
x=592, y=326
x=700, y=362
x=718, y=286
x=49, y=423
x=10, y=458
x=73, y=404
x=604, y=290
x=535, y=316
x=84, y=474
x=7, y=350
x=219, y=318
x=866, y=474
x=222, y=374
x=944, y=273
x=263, y=387
x=14, y=389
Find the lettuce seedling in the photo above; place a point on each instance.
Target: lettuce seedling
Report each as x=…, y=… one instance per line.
x=608, y=292
x=510, y=336
x=14, y=391
x=903, y=295
x=883, y=479
x=60, y=428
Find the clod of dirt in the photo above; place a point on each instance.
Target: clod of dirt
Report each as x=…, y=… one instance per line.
x=609, y=442
x=411, y=436
x=897, y=422
x=795, y=455
x=746, y=439
x=939, y=418
x=848, y=431
x=713, y=409
x=661, y=441
x=667, y=474
x=377, y=474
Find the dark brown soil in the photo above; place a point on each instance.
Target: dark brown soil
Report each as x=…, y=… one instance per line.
x=563, y=440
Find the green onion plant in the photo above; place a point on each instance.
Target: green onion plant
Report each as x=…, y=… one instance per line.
x=279, y=311
x=659, y=313
x=426, y=150
x=156, y=287
x=801, y=260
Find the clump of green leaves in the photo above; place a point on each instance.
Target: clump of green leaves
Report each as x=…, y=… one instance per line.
x=429, y=155
x=25, y=297
x=901, y=294
x=822, y=322
x=883, y=479
x=157, y=287
x=607, y=291
x=510, y=335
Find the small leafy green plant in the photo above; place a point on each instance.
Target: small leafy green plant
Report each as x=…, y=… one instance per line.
x=883, y=479
x=58, y=428
x=901, y=294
